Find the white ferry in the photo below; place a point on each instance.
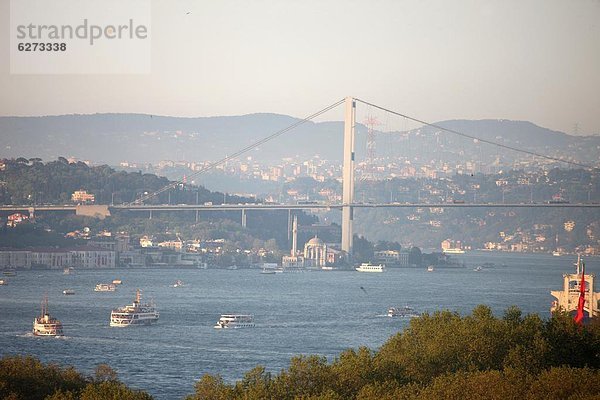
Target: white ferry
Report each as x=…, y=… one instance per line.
x=45, y=325
x=105, y=287
x=453, y=250
x=134, y=314
x=405, y=311
x=233, y=321
x=368, y=267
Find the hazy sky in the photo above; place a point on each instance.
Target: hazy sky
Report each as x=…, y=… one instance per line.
x=536, y=60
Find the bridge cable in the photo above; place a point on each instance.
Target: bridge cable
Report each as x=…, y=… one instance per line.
x=237, y=153
x=479, y=139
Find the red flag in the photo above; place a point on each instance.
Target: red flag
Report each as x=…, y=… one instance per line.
x=579, y=316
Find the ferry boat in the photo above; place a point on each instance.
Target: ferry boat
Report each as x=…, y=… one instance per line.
x=68, y=292
x=453, y=250
x=45, y=325
x=234, y=321
x=134, y=314
x=105, y=287
x=368, y=267
x=567, y=299
x=268, y=271
x=405, y=311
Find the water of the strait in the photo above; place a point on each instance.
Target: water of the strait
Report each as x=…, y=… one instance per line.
x=295, y=313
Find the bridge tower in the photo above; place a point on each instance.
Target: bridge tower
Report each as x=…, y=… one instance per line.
x=348, y=176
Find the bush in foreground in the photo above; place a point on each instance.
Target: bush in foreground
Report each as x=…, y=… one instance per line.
x=26, y=378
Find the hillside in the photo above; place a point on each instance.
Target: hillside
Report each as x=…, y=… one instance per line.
x=113, y=138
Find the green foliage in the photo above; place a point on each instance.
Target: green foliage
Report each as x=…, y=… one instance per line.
x=26, y=378
x=211, y=388
x=25, y=235
x=111, y=390
x=363, y=250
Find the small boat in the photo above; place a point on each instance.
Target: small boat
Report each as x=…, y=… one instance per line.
x=9, y=273
x=68, y=292
x=478, y=268
x=406, y=311
x=178, y=283
x=268, y=271
x=68, y=271
x=234, y=321
x=3, y=282
x=368, y=267
x=105, y=287
x=232, y=267
x=45, y=325
x=556, y=253
x=116, y=282
x=431, y=268
x=134, y=314
x=453, y=250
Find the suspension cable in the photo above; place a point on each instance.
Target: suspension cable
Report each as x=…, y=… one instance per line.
x=532, y=153
x=238, y=153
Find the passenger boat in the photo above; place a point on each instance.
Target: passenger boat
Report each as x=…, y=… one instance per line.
x=45, y=325
x=268, y=271
x=68, y=292
x=105, y=287
x=134, y=314
x=9, y=273
x=567, y=299
x=233, y=321
x=453, y=250
x=405, y=311
x=368, y=267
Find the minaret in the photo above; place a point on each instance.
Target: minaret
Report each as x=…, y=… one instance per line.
x=295, y=236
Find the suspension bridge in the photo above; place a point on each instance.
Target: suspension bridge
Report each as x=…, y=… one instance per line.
x=348, y=203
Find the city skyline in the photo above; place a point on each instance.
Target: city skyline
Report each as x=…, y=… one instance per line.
x=533, y=61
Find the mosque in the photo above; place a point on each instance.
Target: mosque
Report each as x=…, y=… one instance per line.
x=317, y=254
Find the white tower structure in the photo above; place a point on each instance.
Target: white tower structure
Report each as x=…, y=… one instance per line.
x=295, y=236
x=348, y=176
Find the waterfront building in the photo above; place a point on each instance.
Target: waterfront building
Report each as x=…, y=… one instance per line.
x=82, y=196
x=315, y=253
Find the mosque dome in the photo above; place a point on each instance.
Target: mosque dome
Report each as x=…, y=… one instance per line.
x=315, y=242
